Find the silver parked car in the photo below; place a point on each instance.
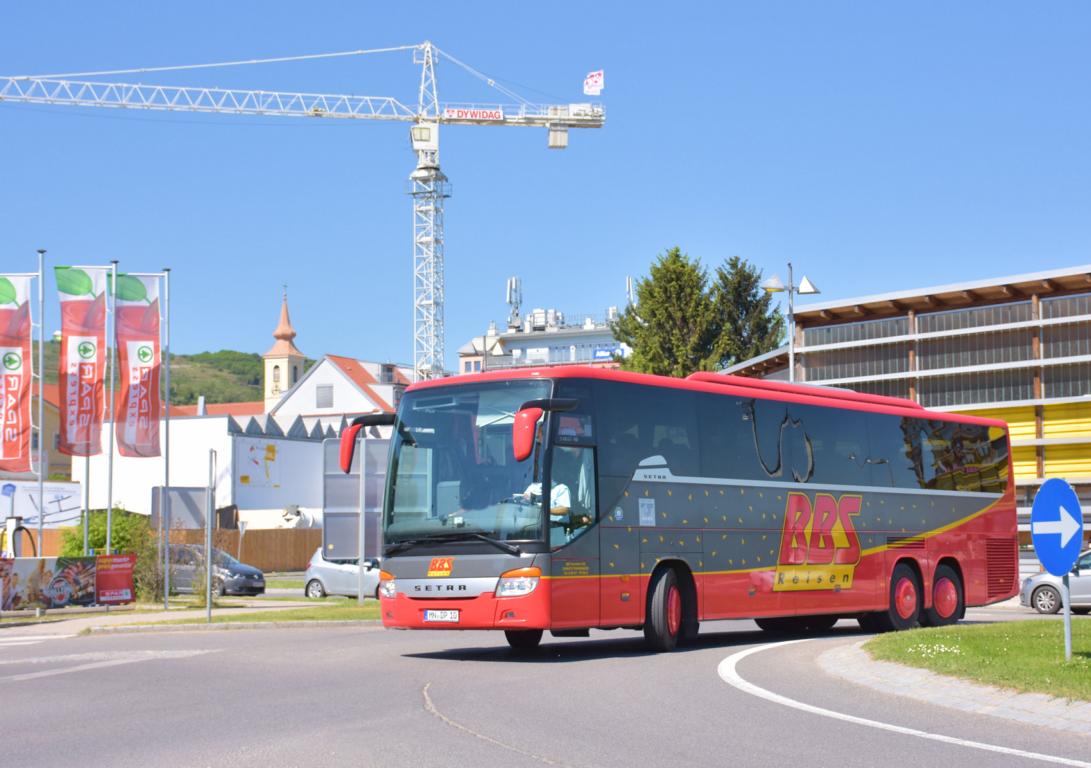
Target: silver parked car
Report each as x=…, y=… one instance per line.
x=339, y=577
x=1042, y=592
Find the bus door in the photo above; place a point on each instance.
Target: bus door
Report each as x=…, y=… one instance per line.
x=573, y=527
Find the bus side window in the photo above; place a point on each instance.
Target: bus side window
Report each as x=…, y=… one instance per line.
x=727, y=445
x=935, y=460
x=893, y=450
x=637, y=422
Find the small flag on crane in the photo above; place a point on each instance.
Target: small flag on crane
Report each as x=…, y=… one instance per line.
x=594, y=83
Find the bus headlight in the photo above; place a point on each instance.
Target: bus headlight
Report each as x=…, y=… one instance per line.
x=387, y=586
x=521, y=581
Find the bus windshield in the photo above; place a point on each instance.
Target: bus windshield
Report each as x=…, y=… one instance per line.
x=453, y=470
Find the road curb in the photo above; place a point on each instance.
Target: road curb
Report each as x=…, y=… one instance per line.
x=122, y=629
x=852, y=663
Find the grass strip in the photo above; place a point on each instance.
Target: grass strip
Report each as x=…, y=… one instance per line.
x=1026, y=656
x=339, y=611
x=284, y=584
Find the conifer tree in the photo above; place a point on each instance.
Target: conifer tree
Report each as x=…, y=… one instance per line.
x=747, y=325
x=672, y=328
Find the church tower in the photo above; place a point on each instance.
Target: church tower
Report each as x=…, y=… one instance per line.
x=283, y=361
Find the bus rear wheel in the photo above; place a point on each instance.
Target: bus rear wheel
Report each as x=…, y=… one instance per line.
x=904, y=603
x=523, y=639
x=947, y=599
x=664, y=616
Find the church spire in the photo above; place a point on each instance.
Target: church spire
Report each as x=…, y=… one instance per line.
x=284, y=333
x=283, y=362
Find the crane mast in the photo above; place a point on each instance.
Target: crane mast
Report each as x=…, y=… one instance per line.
x=429, y=189
x=429, y=185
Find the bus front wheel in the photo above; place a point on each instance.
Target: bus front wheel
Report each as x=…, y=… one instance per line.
x=523, y=639
x=664, y=617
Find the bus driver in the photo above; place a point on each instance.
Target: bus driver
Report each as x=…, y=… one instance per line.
x=571, y=469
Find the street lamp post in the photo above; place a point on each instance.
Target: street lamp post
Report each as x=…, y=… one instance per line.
x=774, y=285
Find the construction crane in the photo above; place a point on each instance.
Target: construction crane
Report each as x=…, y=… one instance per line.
x=429, y=185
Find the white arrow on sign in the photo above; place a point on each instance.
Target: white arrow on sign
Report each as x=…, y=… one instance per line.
x=1067, y=526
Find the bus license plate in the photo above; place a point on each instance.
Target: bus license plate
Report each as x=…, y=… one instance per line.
x=450, y=617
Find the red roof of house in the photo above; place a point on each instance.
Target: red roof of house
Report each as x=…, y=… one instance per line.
x=249, y=408
x=361, y=378
x=254, y=408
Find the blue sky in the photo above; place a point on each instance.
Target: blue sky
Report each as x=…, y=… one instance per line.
x=878, y=146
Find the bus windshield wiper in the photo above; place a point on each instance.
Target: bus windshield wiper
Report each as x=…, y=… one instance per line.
x=511, y=549
x=401, y=546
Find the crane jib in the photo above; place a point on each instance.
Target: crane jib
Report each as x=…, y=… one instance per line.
x=429, y=184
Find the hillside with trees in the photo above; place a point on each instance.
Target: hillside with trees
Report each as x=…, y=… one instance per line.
x=226, y=376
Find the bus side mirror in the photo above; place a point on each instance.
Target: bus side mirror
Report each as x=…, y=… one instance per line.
x=522, y=432
x=348, y=446
x=348, y=437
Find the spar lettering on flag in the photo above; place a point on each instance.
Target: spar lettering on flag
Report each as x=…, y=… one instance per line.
x=83, y=360
x=15, y=373
x=137, y=428
x=13, y=421
x=83, y=390
x=594, y=83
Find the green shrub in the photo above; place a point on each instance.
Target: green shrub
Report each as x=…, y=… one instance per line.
x=130, y=533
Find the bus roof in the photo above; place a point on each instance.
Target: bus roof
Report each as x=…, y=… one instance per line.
x=742, y=386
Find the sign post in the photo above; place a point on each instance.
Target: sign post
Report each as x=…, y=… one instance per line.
x=1056, y=522
x=9, y=491
x=362, y=531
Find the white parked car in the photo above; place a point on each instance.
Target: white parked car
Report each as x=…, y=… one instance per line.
x=1042, y=592
x=339, y=577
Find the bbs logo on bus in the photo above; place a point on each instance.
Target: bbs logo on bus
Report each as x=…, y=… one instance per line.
x=819, y=548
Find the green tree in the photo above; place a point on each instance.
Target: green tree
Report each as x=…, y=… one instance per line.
x=747, y=324
x=127, y=533
x=672, y=326
x=130, y=532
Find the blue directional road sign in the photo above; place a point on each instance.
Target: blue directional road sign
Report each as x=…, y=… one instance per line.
x=1056, y=525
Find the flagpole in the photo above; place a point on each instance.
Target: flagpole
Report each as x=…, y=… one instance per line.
x=86, y=499
x=164, y=507
x=41, y=398
x=111, y=337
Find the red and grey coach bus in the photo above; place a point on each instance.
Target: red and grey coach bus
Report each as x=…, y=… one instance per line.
x=572, y=498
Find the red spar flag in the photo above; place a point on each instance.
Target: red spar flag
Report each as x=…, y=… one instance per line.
x=82, y=359
x=137, y=422
x=15, y=372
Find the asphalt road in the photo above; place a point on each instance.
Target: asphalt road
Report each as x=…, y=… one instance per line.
x=371, y=697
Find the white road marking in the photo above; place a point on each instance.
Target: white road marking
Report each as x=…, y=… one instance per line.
x=24, y=639
x=729, y=674
x=91, y=661
x=10, y=643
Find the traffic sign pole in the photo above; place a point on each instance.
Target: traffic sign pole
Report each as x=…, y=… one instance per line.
x=1067, y=603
